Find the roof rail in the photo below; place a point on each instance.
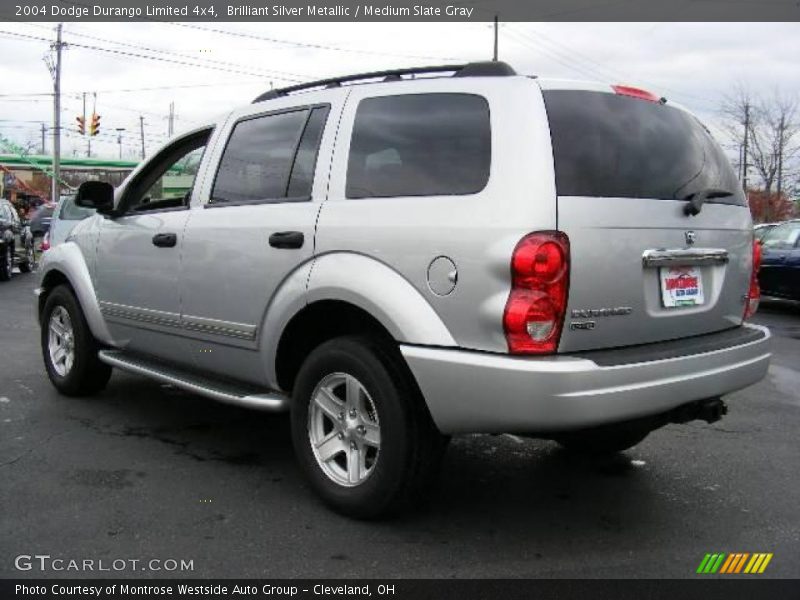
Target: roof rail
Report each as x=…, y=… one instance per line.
x=475, y=69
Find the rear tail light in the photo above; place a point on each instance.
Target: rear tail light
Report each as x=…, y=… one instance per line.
x=626, y=90
x=534, y=313
x=754, y=292
x=45, y=245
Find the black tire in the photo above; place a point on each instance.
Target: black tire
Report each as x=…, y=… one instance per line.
x=6, y=261
x=87, y=374
x=608, y=440
x=29, y=264
x=411, y=447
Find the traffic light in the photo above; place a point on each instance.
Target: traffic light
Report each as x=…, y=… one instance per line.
x=94, y=125
x=81, y=125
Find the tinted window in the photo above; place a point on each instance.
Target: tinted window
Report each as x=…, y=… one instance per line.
x=166, y=180
x=258, y=158
x=614, y=146
x=302, y=178
x=72, y=212
x=419, y=145
x=782, y=236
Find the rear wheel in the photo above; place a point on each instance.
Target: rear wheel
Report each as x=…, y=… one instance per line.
x=68, y=347
x=602, y=441
x=6, y=262
x=361, y=430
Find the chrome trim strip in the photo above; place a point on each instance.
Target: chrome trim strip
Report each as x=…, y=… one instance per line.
x=270, y=401
x=227, y=328
x=134, y=313
x=190, y=323
x=684, y=257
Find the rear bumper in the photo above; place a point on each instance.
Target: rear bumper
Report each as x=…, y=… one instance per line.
x=492, y=393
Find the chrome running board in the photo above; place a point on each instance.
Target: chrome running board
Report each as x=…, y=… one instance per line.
x=223, y=391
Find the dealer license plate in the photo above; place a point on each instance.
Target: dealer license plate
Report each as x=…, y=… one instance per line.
x=681, y=286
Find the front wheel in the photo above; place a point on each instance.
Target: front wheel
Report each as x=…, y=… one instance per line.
x=68, y=347
x=361, y=430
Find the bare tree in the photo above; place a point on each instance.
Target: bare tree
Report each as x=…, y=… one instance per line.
x=767, y=133
x=30, y=146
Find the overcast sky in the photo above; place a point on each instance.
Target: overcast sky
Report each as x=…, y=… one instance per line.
x=695, y=64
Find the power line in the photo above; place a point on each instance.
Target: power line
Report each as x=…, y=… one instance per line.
x=594, y=68
x=286, y=42
x=310, y=45
x=261, y=72
x=143, y=56
x=519, y=39
x=23, y=95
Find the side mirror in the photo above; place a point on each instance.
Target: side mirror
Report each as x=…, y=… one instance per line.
x=96, y=194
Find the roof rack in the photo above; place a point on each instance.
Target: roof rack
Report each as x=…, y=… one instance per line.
x=474, y=69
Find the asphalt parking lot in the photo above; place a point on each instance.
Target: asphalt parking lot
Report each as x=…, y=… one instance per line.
x=146, y=471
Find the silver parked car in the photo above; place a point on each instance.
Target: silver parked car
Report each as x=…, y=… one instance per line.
x=65, y=217
x=409, y=258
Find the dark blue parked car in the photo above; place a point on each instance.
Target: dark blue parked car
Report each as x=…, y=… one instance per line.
x=780, y=263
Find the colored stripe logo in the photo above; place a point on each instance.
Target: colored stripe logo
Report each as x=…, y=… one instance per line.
x=734, y=563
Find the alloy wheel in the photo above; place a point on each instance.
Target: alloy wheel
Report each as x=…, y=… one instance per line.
x=61, y=341
x=344, y=429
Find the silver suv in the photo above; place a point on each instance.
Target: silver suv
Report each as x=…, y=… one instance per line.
x=397, y=257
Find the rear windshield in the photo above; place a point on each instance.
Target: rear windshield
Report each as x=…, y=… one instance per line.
x=607, y=145
x=72, y=212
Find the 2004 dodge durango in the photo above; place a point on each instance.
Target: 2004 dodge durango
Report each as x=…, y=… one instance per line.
x=395, y=259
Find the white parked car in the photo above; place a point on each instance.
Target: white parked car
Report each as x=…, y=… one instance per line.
x=65, y=217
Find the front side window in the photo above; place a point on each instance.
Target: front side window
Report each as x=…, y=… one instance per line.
x=419, y=145
x=167, y=181
x=257, y=164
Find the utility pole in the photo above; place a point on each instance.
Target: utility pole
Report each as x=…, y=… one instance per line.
x=780, y=156
x=171, y=119
x=41, y=150
x=55, y=71
x=744, y=146
x=86, y=125
x=141, y=132
x=496, y=26
x=119, y=140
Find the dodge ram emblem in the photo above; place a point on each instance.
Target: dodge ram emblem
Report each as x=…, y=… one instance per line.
x=690, y=237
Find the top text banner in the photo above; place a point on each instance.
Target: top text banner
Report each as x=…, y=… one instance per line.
x=398, y=10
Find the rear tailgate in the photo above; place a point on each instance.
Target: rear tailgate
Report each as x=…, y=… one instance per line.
x=642, y=270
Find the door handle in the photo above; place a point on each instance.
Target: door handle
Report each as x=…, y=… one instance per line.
x=165, y=240
x=287, y=239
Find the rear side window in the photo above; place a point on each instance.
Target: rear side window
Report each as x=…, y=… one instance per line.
x=256, y=165
x=606, y=145
x=419, y=145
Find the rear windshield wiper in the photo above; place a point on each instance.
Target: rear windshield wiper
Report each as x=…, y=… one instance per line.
x=696, y=199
